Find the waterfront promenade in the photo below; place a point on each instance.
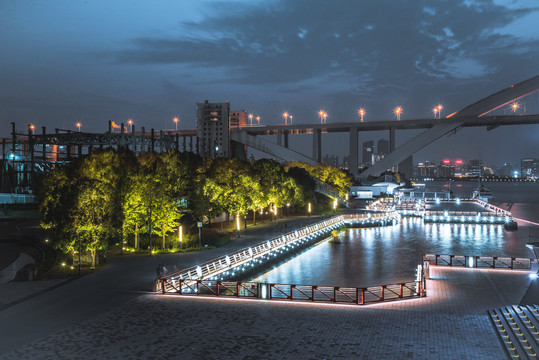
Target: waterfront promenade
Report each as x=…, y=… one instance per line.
x=111, y=314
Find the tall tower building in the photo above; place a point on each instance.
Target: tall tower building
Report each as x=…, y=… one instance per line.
x=368, y=150
x=383, y=147
x=213, y=129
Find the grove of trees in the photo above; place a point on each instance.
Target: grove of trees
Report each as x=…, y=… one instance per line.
x=107, y=196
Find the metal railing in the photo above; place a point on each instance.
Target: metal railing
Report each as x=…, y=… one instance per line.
x=492, y=262
x=293, y=292
x=246, y=259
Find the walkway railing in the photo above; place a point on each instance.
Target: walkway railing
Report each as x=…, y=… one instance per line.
x=313, y=293
x=246, y=259
x=492, y=262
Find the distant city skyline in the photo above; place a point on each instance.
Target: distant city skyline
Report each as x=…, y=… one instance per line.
x=75, y=62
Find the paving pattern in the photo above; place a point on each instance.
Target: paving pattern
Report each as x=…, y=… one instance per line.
x=451, y=323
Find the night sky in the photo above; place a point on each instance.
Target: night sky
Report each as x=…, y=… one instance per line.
x=94, y=61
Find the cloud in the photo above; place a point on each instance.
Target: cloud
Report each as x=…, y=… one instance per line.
x=296, y=42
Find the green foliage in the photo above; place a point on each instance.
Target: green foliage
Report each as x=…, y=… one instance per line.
x=335, y=177
x=108, y=197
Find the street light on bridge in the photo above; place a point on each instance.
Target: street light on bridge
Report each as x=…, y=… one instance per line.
x=176, y=122
x=435, y=111
x=130, y=123
x=323, y=116
x=31, y=127
x=285, y=115
x=78, y=125
x=291, y=117
x=258, y=119
x=439, y=107
x=515, y=106
x=251, y=119
x=361, y=113
x=398, y=112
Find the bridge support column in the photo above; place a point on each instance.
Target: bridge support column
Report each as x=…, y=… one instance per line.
x=317, y=145
x=391, y=140
x=279, y=137
x=354, y=147
x=286, y=139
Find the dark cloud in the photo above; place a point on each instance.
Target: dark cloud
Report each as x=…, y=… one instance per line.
x=372, y=42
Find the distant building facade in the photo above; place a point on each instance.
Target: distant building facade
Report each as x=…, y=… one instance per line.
x=529, y=167
x=368, y=150
x=475, y=168
x=331, y=160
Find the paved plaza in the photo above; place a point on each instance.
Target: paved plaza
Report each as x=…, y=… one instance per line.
x=112, y=315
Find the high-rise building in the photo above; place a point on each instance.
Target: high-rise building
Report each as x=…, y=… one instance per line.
x=446, y=169
x=426, y=170
x=368, y=150
x=529, y=167
x=475, y=168
x=382, y=147
x=238, y=118
x=213, y=129
x=331, y=160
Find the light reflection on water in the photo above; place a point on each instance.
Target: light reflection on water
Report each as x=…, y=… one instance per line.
x=374, y=256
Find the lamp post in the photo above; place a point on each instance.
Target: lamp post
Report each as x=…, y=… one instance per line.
x=180, y=236
x=439, y=107
x=176, y=122
x=398, y=112
x=130, y=123
x=335, y=206
x=435, y=111
x=285, y=115
x=78, y=125
x=515, y=106
x=309, y=209
x=291, y=117
x=32, y=127
x=251, y=119
x=323, y=116
x=258, y=119
x=361, y=113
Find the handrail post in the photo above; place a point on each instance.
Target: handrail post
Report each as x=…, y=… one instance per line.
x=238, y=289
x=218, y=286
x=357, y=296
x=362, y=296
x=292, y=291
x=181, y=285
x=335, y=293
x=163, y=285
x=401, y=294
x=313, y=288
x=382, y=292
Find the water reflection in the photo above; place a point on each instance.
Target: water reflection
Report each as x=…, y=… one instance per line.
x=373, y=256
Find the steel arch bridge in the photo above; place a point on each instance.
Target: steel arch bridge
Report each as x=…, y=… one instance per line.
x=474, y=115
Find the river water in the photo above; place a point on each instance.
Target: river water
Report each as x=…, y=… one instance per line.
x=384, y=255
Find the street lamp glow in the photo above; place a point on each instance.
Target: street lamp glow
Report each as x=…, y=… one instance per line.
x=398, y=112
x=258, y=120
x=291, y=117
x=439, y=107
x=323, y=116
x=251, y=118
x=361, y=113
x=435, y=111
x=515, y=106
x=180, y=235
x=78, y=125
x=176, y=122
x=130, y=123
x=31, y=127
x=285, y=115
x=309, y=209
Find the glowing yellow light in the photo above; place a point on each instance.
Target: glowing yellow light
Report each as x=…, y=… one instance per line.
x=238, y=222
x=130, y=122
x=398, y=112
x=515, y=106
x=78, y=125
x=361, y=113
x=309, y=208
x=258, y=119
